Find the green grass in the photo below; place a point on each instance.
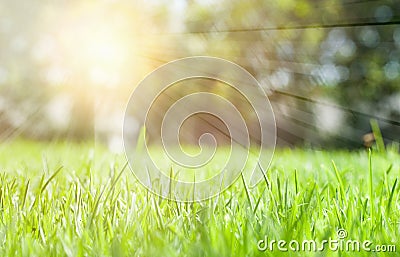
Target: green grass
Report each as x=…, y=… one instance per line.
x=65, y=199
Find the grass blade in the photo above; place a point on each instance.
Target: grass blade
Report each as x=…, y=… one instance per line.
x=338, y=177
x=50, y=179
x=371, y=189
x=391, y=196
x=25, y=194
x=246, y=190
x=380, y=145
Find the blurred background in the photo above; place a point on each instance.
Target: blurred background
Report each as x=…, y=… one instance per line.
x=67, y=68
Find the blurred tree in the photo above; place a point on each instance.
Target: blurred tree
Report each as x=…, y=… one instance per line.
x=317, y=61
x=317, y=50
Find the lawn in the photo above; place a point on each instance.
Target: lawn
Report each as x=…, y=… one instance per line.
x=67, y=199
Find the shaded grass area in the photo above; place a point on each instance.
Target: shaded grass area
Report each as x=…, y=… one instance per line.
x=66, y=199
